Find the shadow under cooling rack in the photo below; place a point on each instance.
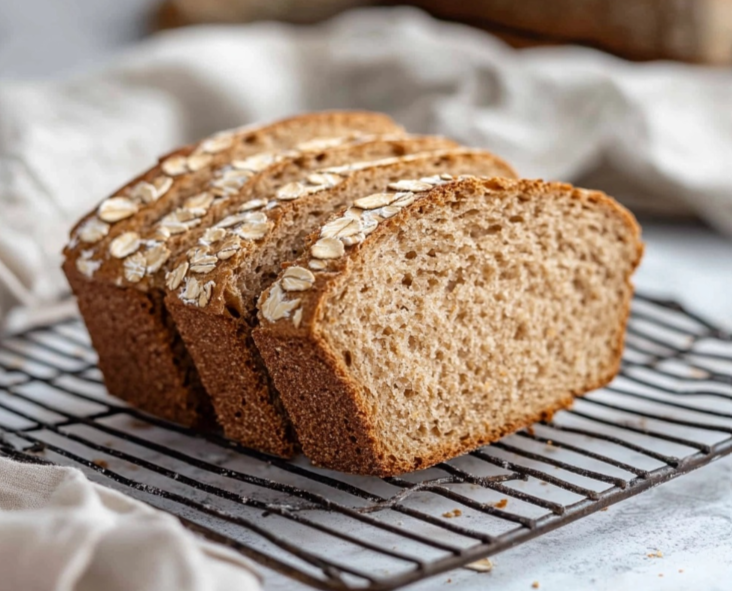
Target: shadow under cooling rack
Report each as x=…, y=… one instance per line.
x=668, y=412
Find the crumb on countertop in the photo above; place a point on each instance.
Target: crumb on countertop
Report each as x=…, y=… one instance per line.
x=535, y=585
x=501, y=504
x=656, y=554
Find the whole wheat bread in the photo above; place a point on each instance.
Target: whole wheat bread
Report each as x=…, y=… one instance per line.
x=215, y=309
x=434, y=317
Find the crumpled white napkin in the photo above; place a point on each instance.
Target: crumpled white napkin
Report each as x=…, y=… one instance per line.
x=61, y=532
x=659, y=129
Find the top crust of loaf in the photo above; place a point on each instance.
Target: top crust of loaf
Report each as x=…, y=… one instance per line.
x=209, y=290
x=156, y=192
x=313, y=378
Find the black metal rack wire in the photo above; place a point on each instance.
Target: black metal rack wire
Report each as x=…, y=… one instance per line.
x=668, y=412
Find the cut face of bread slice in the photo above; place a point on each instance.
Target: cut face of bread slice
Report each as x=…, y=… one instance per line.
x=463, y=312
x=215, y=310
x=117, y=250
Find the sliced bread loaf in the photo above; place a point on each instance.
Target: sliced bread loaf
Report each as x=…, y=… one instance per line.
x=214, y=286
x=430, y=318
x=116, y=250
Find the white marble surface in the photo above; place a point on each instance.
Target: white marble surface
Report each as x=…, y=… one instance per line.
x=688, y=520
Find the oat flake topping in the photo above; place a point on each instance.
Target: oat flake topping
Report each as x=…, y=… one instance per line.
x=146, y=255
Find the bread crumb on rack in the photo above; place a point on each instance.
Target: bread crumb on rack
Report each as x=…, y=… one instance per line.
x=453, y=513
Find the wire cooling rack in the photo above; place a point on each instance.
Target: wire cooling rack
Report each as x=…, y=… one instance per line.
x=668, y=412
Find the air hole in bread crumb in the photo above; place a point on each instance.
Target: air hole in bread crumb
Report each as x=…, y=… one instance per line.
x=410, y=255
x=469, y=213
x=510, y=274
x=347, y=358
x=233, y=312
x=516, y=219
x=488, y=272
x=407, y=280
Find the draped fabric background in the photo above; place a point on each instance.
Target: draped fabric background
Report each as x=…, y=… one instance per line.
x=660, y=133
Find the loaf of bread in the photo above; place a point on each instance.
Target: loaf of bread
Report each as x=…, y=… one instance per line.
x=118, y=254
x=213, y=301
x=437, y=315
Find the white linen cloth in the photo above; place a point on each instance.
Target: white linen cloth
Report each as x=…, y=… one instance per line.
x=60, y=532
x=660, y=129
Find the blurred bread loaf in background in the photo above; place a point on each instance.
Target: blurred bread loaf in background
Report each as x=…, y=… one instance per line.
x=697, y=31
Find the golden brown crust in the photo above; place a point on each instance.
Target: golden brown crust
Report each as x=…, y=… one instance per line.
x=141, y=355
x=325, y=404
x=235, y=375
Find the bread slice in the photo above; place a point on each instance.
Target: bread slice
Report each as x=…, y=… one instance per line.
x=215, y=311
x=431, y=319
x=112, y=256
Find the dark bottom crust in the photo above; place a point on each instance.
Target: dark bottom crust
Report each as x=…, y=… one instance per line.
x=141, y=355
x=246, y=405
